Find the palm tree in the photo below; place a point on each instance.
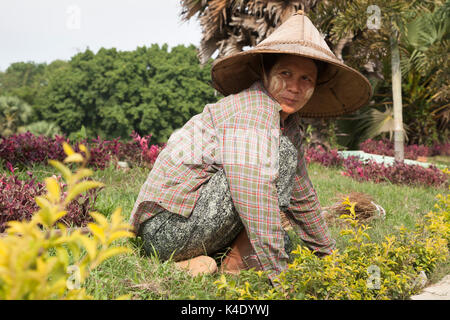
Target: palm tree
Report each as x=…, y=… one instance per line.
x=343, y=19
x=425, y=63
x=231, y=25
x=45, y=128
x=397, y=96
x=423, y=47
x=14, y=114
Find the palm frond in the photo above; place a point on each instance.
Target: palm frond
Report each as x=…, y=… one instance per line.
x=230, y=25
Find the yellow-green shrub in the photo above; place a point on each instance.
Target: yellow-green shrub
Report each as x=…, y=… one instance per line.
x=364, y=269
x=39, y=260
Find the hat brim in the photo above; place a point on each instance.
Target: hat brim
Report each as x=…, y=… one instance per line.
x=340, y=89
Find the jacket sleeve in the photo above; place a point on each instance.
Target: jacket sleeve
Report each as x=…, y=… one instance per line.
x=250, y=162
x=305, y=212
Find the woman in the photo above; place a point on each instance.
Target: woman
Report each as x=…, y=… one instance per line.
x=233, y=171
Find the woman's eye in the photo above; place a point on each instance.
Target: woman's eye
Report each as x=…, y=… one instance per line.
x=286, y=73
x=306, y=78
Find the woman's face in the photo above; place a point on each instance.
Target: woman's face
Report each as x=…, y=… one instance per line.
x=291, y=82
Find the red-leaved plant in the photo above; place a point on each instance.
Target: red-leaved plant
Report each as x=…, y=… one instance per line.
x=398, y=173
x=148, y=153
x=17, y=198
x=25, y=149
x=385, y=147
x=17, y=201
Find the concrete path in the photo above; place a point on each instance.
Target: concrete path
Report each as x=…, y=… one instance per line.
x=437, y=291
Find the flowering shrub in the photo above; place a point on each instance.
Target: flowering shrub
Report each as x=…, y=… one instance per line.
x=17, y=201
x=385, y=147
x=398, y=173
x=320, y=155
x=39, y=261
x=26, y=149
x=363, y=270
x=17, y=198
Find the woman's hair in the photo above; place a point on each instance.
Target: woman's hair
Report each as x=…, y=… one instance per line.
x=269, y=60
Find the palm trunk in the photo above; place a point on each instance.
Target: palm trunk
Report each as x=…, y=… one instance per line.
x=397, y=99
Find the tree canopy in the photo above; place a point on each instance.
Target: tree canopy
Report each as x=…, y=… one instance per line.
x=150, y=90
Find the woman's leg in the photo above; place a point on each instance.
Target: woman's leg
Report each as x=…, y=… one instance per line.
x=213, y=225
x=242, y=255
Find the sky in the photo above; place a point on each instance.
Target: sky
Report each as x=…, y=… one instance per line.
x=46, y=30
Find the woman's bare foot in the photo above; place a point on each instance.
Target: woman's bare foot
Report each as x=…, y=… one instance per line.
x=198, y=265
x=237, y=259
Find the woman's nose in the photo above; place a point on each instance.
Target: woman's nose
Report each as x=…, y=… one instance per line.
x=295, y=86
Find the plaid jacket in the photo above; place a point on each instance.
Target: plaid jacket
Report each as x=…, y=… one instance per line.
x=239, y=133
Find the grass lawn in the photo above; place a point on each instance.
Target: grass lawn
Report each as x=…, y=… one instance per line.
x=147, y=278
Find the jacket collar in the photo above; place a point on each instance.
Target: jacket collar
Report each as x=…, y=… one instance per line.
x=259, y=87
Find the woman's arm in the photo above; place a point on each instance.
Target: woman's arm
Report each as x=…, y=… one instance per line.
x=305, y=213
x=251, y=174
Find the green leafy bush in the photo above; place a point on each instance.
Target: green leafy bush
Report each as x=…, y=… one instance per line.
x=152, y=90
x=41, y=259
x=363, y=269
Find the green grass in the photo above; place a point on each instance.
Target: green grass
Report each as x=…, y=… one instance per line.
x=403, y=204
x=440, y=160
x=145, y=277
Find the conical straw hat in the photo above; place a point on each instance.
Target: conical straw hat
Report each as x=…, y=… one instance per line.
x=339, y=88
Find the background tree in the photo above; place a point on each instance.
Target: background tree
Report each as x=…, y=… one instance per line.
x=27, y=81
x=373, y=47
x=22, y=80
x=230, y=25
x=45, y=128
x=14, y=114
x=112, y=93
x=426, y=70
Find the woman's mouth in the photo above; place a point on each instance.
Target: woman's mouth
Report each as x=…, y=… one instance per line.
x=290, y=101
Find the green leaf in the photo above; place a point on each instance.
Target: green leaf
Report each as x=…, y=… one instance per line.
x=75, y=157
x=98, y=232
x=90, y=245
x=54, y=191
x=68, y=149
x=65, y=171
x=80, y=188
